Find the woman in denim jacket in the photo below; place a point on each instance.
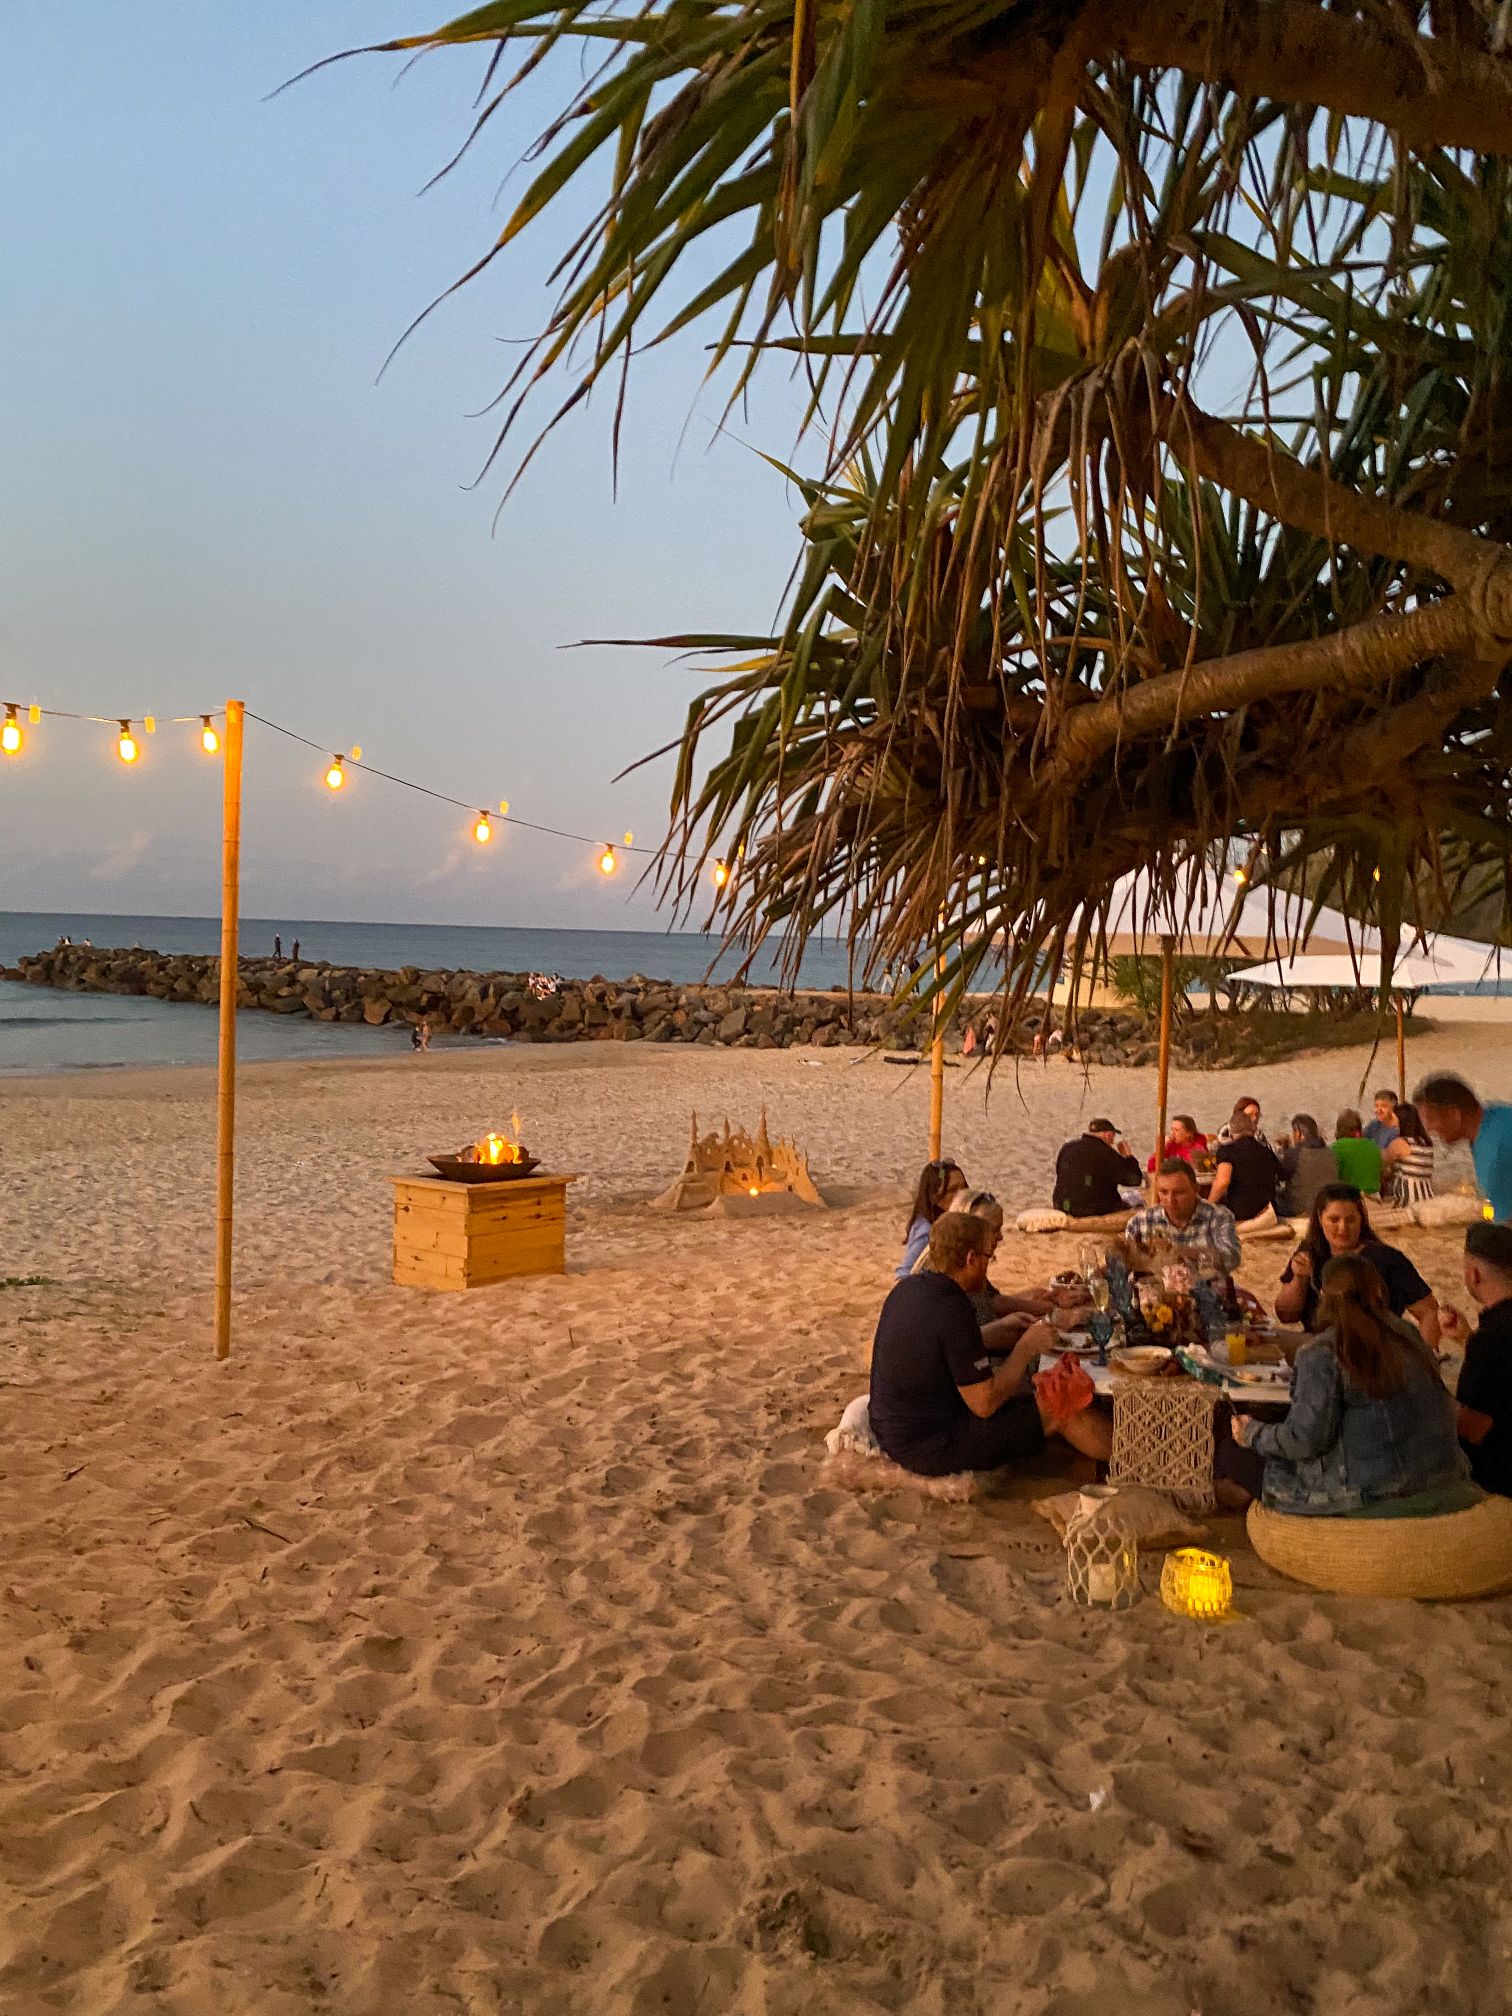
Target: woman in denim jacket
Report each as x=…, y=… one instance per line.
x=1370, y=1425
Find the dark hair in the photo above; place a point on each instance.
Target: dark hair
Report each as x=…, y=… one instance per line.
x=1491, y=1244
x=1354, y=1316
x=1247, y=1100
x=1307, y=1127
x=929, y=1192
x=1314, y=1243
x=1185, y=1120
x=1348, y=1124
x=954, y=1237
x=1410, y=1125
x=1178, y=1166
x=1445, y=1088
x=1390, y=1098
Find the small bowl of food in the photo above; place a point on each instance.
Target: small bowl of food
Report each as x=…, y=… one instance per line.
x=1140, y=1361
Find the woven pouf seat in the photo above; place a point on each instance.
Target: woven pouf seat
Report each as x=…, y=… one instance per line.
x=1457, y=1555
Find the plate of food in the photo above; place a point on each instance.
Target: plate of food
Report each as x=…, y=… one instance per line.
x=1259, y=1375
x=1075, y=1341
x=1140, y=1361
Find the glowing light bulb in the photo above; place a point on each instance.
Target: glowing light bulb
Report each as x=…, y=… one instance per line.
x=607, y=862
x=1240, y=877
x=482, y=832
x=209, y=740
x=721, y=874
x=11, y=737
x=335, y=777
x=126, y=744
x=356, y=752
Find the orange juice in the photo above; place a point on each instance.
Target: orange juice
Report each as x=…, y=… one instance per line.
x=1238, y=1347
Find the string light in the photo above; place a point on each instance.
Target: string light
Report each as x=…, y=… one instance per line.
x=335, y=777
x=1240, y=877
x=721, y=874
x=209, y=740
x=607, y=862
x=482, y=832
x=126, y=744
x=11, y=737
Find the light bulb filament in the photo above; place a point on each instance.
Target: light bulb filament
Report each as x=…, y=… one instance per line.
x=607, y=861
x=209, y=740
x=335, y=777
x=482, y=832
x=11, y=737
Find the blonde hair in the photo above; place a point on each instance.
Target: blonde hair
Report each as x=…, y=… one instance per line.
x=979, y=1204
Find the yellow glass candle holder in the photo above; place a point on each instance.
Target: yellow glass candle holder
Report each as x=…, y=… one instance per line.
x=1197, y=1584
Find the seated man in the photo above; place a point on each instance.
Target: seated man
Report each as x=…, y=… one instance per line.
x=1185, y=1142
x=1091, y=1170
x=1247, y=1176
x=1383, y=1129
x=1485, y=1382
x=937, y=1406
x=1357, y=1160
x=1182, y=1218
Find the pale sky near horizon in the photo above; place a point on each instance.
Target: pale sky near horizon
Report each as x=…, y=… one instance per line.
x=208, y=491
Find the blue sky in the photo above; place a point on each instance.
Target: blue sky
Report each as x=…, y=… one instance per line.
x=208, y=491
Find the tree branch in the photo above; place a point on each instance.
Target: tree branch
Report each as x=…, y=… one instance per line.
x=1363, y=655
x=1432, y=91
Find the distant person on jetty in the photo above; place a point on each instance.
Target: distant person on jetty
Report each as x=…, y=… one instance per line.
x=1408, y=1160
x=1383, y=1129
x=1357, y=1160
x=1180, y=1217
x=937, y=1405
x=1092, y=1172
x=1370, y=1430
x=1186, y=1140
x=277, y=945
x=1307, y=1165
x=1451, y=1112
x=294, y=953
x=938, y=1183
x=1485, y=1381
x=1339, y=1227
x=1247, y=1175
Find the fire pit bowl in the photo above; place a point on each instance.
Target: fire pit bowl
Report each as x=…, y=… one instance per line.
x=462, y=1169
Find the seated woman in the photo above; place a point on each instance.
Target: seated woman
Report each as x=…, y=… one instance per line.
x=1408, y=1160
x=1003, y=1318
x=938, y=1183
x=938, y=1405
x=1339, y=1226
x=1371, y=1430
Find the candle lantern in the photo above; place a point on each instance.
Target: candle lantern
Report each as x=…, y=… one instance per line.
x=1102, y=1560
x=1197, y=1584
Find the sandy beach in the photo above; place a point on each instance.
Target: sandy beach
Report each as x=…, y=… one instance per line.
x=507, y=1652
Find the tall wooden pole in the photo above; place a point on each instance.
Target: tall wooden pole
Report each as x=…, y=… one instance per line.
x=1401, y=1051
x=937, y=1075
x=1167, y=967
x=225, y=1124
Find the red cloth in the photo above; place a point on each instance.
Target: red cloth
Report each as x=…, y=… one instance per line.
x=1066, y=1389
x=1177, y=1151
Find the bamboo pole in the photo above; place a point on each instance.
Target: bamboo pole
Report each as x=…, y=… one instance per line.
x=225, y=1124
x=1401, y=1050
x=1167, y=966
x=937, y=1075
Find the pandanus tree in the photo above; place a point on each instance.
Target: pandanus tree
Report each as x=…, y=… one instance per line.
x=1161, y=355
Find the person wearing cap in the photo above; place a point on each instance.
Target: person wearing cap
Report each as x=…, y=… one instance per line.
x=1485, y=1382
x=1091, y=1170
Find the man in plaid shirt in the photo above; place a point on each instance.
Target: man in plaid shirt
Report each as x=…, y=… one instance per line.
x=1181, y=1217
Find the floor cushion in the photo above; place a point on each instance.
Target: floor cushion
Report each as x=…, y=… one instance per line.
x=1457, y=1555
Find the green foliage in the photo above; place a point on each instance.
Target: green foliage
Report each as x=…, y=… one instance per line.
x=1137, y=980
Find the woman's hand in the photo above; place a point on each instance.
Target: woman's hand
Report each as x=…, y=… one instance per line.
x=1241, y=1427
x=1301, y=1266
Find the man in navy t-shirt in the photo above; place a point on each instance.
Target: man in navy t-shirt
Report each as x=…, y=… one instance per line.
x=939, y=1404
x=1485, y=1382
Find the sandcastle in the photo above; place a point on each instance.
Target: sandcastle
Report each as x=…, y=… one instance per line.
x=733, y=1164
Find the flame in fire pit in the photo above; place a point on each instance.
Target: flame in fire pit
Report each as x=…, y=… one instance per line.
x=494, y=1149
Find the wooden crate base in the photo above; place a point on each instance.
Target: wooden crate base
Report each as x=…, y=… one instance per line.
x=469, y=1235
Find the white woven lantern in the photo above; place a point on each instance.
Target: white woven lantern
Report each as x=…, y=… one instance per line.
x=1102, y=1560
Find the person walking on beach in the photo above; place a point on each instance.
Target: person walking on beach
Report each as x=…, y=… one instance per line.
x=1451, y=1112
x=420, y=1036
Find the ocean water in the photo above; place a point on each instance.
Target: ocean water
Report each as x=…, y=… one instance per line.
x=44, y=1031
